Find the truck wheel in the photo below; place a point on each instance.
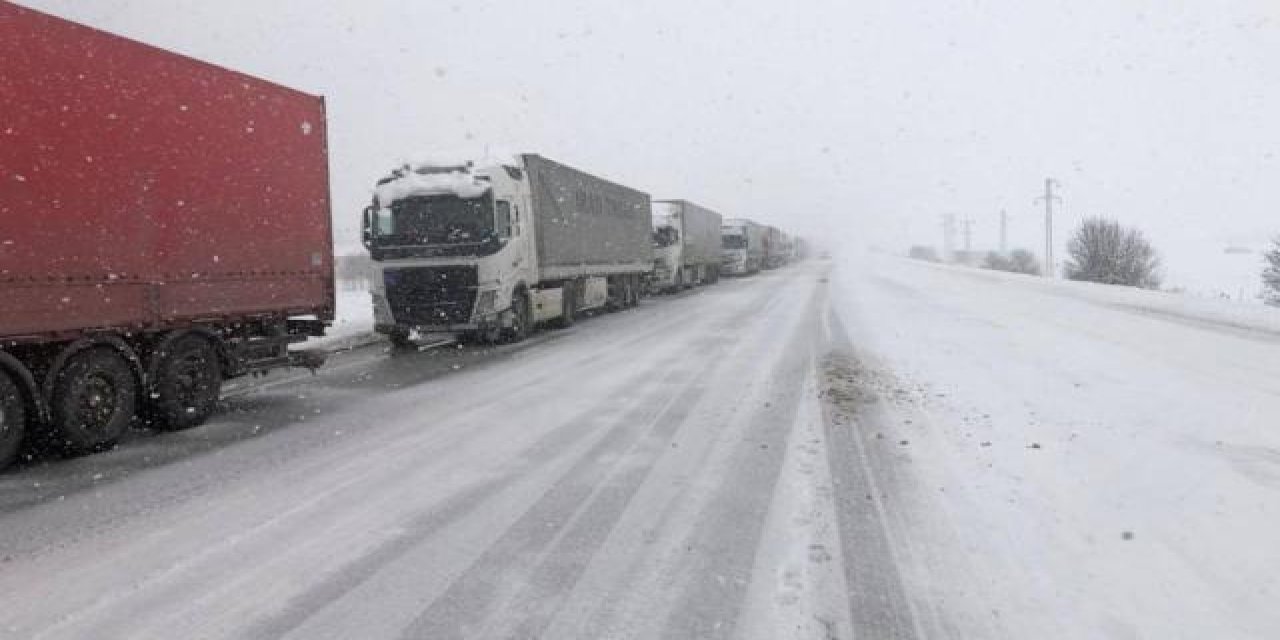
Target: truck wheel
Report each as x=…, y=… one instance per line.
x=13, y=419
x=521, y=320
x=94, y=397
x=188, y=384
x=399, y=338
x=568, y=305
x=617, y=298
x=633, y=291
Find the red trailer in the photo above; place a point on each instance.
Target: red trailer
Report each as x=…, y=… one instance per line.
x=164, y=224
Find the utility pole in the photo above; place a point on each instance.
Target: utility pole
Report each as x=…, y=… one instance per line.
x=948, y=236
x=1004, y=233
x=967, y=223
x=1048, y=199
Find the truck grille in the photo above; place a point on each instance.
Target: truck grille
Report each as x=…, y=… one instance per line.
x=431, y=295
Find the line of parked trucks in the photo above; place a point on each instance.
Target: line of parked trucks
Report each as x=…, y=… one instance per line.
x=165, y=225
x=485, y=251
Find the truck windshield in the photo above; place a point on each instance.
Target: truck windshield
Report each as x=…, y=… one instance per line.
x=734, y=242
x=447, y=222
x=665, y=236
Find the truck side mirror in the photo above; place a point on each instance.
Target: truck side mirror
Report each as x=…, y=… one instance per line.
x=367, y=227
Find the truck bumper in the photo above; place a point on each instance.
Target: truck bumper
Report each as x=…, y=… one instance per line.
x=481, y=324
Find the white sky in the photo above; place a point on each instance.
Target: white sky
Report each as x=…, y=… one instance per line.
x=849, y=121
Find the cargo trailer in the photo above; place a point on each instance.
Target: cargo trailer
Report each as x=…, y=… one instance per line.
x=164, y=225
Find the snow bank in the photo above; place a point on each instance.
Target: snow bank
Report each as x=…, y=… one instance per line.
x=1233, y=314
x=1078, y=460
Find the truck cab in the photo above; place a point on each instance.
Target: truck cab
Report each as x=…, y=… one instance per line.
x=488, y=250
x=451, y=248
x=738, y=256
x=668, y=249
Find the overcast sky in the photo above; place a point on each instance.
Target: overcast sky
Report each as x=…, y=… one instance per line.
x=858, y=121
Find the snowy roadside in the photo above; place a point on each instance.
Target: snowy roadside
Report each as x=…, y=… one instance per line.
x=1237, y=314
x=1078, y=460
x=353, y=326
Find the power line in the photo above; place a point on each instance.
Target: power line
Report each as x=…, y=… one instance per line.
x=948, y=235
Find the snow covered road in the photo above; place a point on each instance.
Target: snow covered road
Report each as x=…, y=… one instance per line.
x=887, y=450
x=655, y=473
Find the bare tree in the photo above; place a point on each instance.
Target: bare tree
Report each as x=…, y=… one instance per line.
x=921, y=252
x=1103, y=250
x=995, y=262
x=1023, y=261
x=1019, y=261
x=1271, y=274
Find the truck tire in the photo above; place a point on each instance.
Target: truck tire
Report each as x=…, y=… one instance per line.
x=568, y=305
x=617, y=298
x=94, y=398
x=633, y=291
x=521, y=321
x=188, y=384
x=399, y=338
x=13, y=419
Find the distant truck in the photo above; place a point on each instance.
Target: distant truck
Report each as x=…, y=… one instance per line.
x=742, y=247
x=777, y=249
x=686, y=245
x=164, y=224
x=487, y=250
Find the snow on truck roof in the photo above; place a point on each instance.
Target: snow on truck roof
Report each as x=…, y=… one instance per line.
x=664, y=208
x=439, y=174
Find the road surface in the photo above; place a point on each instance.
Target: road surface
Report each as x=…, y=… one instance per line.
x=883, y=449
x=663, y=472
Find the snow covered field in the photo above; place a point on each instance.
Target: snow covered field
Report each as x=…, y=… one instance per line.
x=1079, y=461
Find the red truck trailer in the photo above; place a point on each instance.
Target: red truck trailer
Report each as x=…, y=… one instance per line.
x=164, y=225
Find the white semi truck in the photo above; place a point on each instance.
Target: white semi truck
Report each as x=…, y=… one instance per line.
x=489, y=250
x=686, y=245
x=743, y=247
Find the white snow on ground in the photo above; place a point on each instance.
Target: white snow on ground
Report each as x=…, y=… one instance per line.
x=1206, y=269
x=1085, y=461
x=354, y=322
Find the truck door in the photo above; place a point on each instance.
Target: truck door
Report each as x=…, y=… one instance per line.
x=513, y=228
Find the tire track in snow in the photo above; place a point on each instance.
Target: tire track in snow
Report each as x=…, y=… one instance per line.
x=548, y=547
x=879, y=603
x=730, y=528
